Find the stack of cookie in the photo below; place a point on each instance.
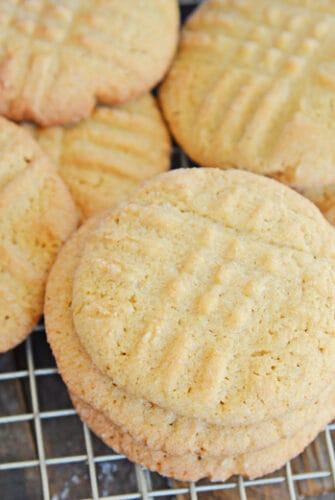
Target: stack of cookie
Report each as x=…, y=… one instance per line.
x=57, y=60
x=194, y=324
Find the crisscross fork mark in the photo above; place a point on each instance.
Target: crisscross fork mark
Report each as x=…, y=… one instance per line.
x=257, y=102
x=86, y=151
x=55, y=55
x=53, y=47
x=189, y=266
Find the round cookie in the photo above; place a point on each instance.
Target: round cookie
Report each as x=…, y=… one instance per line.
x=37, y=214
x=253, y=88
x=211, y=293
x=155, y=427
x=194, y=467
x=105, y=157
x=58, y=58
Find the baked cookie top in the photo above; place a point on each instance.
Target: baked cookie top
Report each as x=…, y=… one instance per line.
x=211, y=294
x=104, y=158
x=58, y=58
x=254, y=88
x=37, y=214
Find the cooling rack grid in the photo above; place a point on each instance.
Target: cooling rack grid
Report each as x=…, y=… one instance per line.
x=47, y=453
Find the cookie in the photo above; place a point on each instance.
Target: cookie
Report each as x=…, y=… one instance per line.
x=37, y=214
x=195, y=467
x=58, y=58
x=146, y=423
x=211, y=293
x=253, y=88
x=105, y=157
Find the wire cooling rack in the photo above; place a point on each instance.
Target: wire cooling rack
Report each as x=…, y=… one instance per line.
x=47, y=453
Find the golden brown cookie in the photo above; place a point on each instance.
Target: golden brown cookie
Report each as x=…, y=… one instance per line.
x=194, y=467
x=211, y=293
x=58, y=58
x=37, y=214
x=254, y=88
x=146, y=423
x=105, y=157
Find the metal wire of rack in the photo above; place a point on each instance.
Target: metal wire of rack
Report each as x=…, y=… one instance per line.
x=104, y=474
